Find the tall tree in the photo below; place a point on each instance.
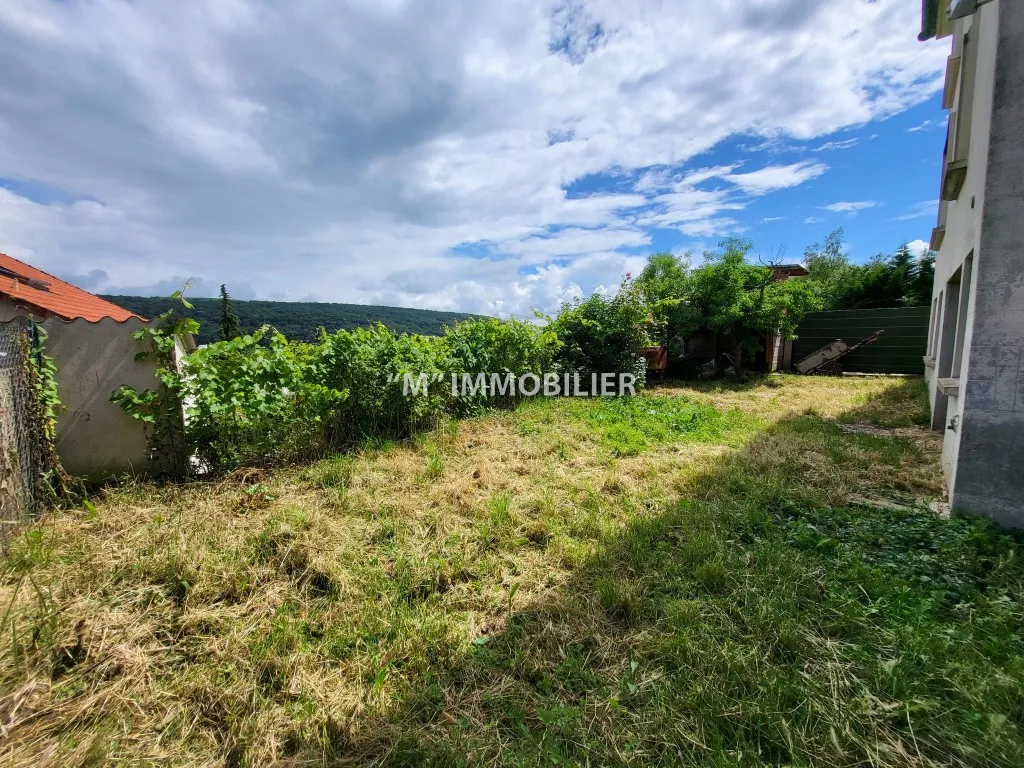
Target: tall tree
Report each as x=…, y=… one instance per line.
x=901, y=279
x=830, y=269
x=920, y=293
x=726, y=295
x=664, y=277
x=744, y=300
x=230, y=327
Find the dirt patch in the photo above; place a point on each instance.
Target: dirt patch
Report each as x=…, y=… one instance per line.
x=913, y=433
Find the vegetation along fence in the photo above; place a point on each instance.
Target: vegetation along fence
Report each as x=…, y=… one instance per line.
x=899, y=350
x=21, y=451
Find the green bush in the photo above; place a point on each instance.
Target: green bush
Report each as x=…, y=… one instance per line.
x=370, y=366
x=492, y=346
x=605, y=334
x=260, y=399
x=256, y=398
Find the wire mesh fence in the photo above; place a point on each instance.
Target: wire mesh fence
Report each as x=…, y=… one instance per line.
x=21, y=455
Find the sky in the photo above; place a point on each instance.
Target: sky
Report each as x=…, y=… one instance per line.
x=493, y=157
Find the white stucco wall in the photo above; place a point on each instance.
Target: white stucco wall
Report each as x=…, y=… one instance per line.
x=95, y=438
x=7, y=309
x=963, y=218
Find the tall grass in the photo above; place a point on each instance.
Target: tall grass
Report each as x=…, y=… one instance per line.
x=517, y=592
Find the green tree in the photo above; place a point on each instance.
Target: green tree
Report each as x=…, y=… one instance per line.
x=726, y=295
x=230, y=327
x=830, y=269
x=921, y=282
x=901, y=279
x=665, y=285
x=745, y=301
x=602, y=334
x=664, y=277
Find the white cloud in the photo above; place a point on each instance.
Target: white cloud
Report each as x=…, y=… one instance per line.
x=776, y=177
x=574, y=241
x=831, y=146
x=922, y=127
x=919, y=247
x=920, y=210
x=413, y=152
x=813, y=220
x=773, y=146
x=851, y=207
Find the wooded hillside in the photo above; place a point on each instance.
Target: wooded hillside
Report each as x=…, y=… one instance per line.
x=296, y=319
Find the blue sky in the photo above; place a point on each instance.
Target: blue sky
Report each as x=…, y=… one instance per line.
x=880, y=186
x=894, y=165
x=487, y=157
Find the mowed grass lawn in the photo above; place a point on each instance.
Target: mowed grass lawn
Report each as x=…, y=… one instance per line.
x=717, y=575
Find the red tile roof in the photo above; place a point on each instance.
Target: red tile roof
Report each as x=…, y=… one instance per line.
x=782, y=271
x=36, y=290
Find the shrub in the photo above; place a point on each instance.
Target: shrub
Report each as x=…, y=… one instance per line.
x=369, y=364
x=605, y=334
x=260, y=399
x=493, y=346
x=255, y=398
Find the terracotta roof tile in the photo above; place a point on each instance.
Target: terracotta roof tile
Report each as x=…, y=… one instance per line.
x=56, y=297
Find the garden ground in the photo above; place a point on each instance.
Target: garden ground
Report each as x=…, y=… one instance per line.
x=714, y=575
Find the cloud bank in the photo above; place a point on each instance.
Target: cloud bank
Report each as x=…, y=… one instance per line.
x=487, y=157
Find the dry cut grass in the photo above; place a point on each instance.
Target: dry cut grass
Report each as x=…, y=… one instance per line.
x=689, y=578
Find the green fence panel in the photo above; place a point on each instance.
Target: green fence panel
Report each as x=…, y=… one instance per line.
x=900, y=349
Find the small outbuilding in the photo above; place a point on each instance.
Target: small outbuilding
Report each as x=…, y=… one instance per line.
x=93, y=348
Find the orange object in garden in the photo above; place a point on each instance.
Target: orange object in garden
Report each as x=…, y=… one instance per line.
x=657, y=359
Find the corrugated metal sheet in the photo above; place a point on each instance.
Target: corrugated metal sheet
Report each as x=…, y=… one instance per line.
x=900, y=349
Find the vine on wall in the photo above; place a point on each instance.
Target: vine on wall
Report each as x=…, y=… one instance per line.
x=44, y=380
x=160, y=409
x=52, y=484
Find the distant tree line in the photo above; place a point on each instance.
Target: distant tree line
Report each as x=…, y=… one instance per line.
x=726, y=294
x=899, y=280
x=296, y=320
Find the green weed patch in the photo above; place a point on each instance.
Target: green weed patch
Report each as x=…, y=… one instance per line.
x=630, y=424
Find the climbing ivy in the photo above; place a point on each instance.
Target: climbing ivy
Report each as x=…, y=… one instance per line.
x=52, y=484
x=44, y=380
x=160, y=409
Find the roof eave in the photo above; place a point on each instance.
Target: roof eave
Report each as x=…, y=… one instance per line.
x=929, y=19
x=28, y=305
